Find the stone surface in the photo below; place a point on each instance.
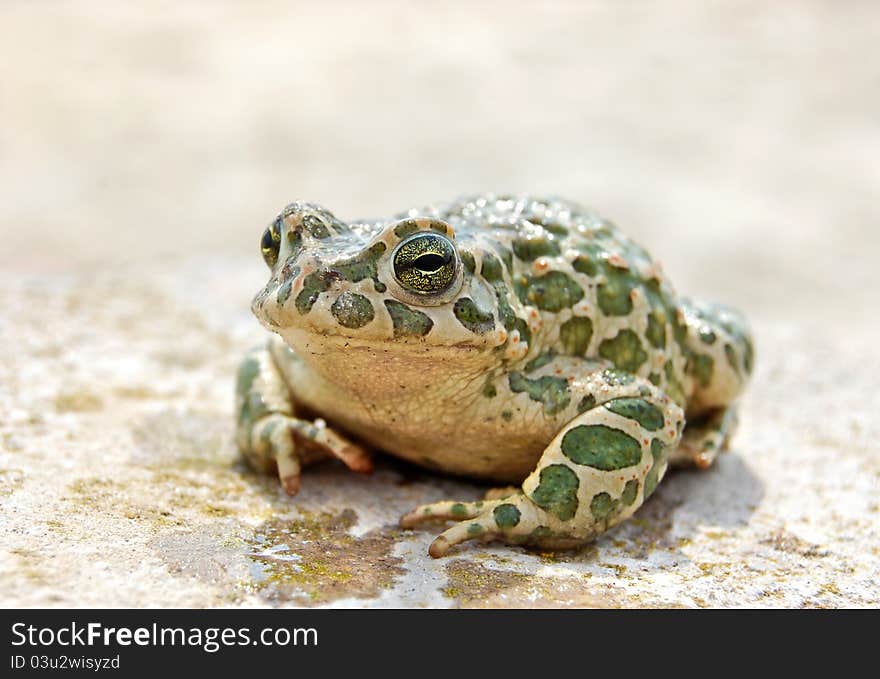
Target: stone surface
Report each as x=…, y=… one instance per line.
x=143, y=152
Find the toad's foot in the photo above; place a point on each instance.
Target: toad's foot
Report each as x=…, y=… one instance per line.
x=269, y=433
x=514, y=519
x=292, y=443
x=704, y=438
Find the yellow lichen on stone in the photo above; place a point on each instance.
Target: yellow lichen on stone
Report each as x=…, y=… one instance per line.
x=78, y=401
x=10, y=481
x=314, y=558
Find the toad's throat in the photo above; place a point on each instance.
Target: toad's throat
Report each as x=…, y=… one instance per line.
x=377, y=371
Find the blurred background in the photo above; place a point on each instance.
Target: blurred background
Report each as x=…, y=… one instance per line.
x=738, y=141
x=144, y=146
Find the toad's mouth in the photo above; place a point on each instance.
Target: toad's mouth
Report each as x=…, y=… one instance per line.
x=330, y=342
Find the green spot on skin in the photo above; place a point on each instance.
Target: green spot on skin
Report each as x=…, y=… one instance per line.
x=408, y=322
x=601, y=447
x=647, y=415
x=406, y=227
x=539, y=361
x=748, y=355
x=613, y=295
x=575, y=335
x=467, y=259
x=541, y=532
x=588, y=402
x=556, y=229
x=284, y=290
x=673, y=385
x=352, y=310
x=505, y=313
x=247, y=373
x=491, y=268
x=252, y=407
x=552, y=392
x=489, y=390
x=529, y=249
x=553, y=292
x=266, y=432
x=679, y=332
x=295, y=243
x=458, y=510
x=313, y=285
x=718, y=317
x=625, y=350
x=506, y=415
x=475, y=529
x=656, y=332
x=653, y=477
x=361, y=266
x=730, y=353
x=602, y=506
x=471, y=317
x=557, y=491
x=701, y=367
x=585, y=265
x=506, y=515
x=506, y=257
x=707, y=336
x=315, y=227
x=662, y=302
x=630, y=491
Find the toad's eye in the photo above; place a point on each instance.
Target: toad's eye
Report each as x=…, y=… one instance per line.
x=270, y=244
x=425, y=264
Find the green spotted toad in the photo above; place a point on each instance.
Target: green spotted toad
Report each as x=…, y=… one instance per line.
x=512, y=338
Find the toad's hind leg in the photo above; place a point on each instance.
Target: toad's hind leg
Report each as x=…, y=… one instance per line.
x=704, y=438
x=594, y=474
x=720, y=355
x=271, y=436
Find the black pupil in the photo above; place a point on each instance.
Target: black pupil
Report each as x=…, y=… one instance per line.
x=430, y=262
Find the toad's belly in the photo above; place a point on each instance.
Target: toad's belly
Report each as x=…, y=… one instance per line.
x=465, y=447
x=443, y=430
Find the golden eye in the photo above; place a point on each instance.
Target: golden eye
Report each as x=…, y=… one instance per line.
x=270, y=244
x=425, y=263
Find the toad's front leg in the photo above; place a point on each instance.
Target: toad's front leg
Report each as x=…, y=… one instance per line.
x=594, y=474
x=271, y=436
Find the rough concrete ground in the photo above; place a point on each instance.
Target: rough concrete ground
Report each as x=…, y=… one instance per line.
x=143, y=149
